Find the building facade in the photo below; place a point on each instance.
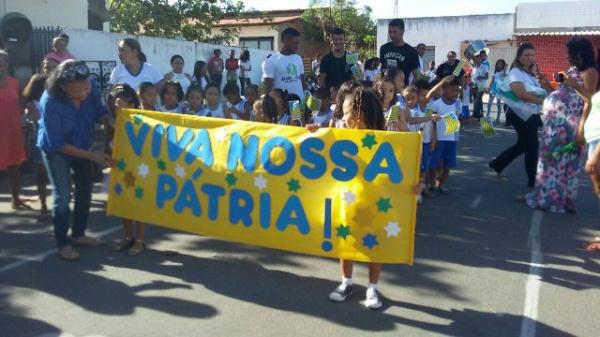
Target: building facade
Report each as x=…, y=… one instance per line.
x=548, y=25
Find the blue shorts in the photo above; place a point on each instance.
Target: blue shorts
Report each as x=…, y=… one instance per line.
x=426, y=157
x=465, y=112
x=444, y=155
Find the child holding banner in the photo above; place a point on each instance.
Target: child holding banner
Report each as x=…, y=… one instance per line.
x=265, y=110
x=213, y=107
x=361, y=109
x=148, y=94
x=323, y=115
x=171, y=96
x=236, y=105
x=122, y=96
x=195, y=99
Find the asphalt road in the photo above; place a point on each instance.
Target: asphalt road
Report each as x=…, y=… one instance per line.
x=485, y=266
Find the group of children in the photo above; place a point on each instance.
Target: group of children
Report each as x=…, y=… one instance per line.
x=387, y=104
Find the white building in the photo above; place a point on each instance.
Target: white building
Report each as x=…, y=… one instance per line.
x=448, y=33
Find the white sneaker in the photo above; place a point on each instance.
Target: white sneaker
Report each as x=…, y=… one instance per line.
x=340, y=293
x=372, y=300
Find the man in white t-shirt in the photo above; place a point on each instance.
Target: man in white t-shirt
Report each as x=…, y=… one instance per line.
x=482, y=74
x=284, y=70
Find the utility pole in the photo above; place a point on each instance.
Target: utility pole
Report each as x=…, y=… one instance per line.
x=395, y=8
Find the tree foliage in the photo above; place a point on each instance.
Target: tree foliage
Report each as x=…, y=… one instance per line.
x=191, y=20
x=319, y=20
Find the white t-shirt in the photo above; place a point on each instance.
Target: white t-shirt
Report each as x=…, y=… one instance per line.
x=441, y=108
x=481, y=70
x=522, y=109
x=238, y=106
x=183, y=81
x=500, y=76
x=179, y=108
x=120, y=75
x=415, y=112
x=427, y=127
x=286, y=72
x=466, y=98
x=591, y=128
x=216, y=112
x=245, y=68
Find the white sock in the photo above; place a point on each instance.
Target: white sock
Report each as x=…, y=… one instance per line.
x=372, y=286
x=346, y=282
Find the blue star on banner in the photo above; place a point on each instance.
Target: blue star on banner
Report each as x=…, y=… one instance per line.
x=118, y=189
x=370, y=241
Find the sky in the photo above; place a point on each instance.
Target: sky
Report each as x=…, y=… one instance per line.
x=384, y=8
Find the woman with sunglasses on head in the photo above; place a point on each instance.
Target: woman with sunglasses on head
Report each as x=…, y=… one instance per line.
x=69, y=110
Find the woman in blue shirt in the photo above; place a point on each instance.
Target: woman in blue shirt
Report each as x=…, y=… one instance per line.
x=69, y=110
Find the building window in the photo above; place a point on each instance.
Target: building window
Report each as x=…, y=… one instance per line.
x=265, y=43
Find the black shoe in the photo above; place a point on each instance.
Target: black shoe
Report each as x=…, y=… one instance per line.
x=340, y=293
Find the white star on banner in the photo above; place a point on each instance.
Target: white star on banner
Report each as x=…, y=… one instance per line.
x=180, y=171
x=260, y=182
x=143, y=170
x=221, y=134
x=349, y=197
x=392, y=229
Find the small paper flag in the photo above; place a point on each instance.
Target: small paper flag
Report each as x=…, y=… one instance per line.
x=313, y=103
x=459, y=67
x=487, y=128
x=451, y=124
x=351, y=58
x=295, y=110
x=394, y=114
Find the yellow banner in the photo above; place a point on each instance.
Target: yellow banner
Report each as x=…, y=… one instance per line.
x=335, y=193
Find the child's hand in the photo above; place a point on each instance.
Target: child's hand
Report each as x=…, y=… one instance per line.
x=435, y=117
x=418, y=188
x=312, y=127
x=593, y=163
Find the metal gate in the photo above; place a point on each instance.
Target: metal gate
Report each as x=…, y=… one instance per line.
x=41, y=44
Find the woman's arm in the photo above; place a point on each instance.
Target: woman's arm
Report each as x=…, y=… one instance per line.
x=590, y=83
x=96, y=157
x=519, y=89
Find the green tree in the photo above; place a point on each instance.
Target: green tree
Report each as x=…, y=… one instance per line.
x=319, y=19
x=191, y=20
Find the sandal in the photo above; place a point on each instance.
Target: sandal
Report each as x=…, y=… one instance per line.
x=124, y=244
x=86, y=241
x=593, y=246
x=137, y=248
x=21, y=206
x=67, y=253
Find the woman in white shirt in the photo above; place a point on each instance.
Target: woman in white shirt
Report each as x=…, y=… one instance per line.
x=133, y=69
x=525, y=121
x=177, y=74
x=245, y=69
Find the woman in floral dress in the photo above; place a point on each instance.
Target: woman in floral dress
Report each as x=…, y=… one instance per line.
x=560, y=158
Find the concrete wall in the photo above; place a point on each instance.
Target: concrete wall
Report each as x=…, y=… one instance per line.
x=565, y=14
x=90, y=45
x=447, y=33
x=64, y=13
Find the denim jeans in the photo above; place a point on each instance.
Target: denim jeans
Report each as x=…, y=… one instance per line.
x=59, y=169
x=498, y=105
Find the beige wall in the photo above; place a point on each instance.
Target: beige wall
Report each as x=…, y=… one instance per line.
x=64, y=13
x=255, y=31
